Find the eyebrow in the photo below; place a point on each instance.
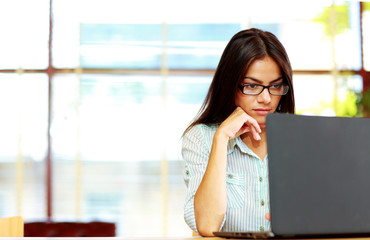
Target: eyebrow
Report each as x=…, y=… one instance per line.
x=259, y=81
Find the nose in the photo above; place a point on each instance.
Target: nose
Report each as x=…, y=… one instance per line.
x=264, y=96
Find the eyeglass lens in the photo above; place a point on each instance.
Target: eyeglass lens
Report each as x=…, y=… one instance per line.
x=254, y=89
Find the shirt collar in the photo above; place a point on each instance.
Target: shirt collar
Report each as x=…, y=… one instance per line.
x=237, y=142
x=231, y=146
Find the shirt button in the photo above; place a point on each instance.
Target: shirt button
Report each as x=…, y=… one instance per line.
x=262, y=203
x=187, y=172
x=260, y=179
x=230, y=176
x=262, y=229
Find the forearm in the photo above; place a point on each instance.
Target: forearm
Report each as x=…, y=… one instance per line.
x=210, y=202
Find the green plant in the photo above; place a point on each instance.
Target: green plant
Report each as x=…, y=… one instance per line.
x=364, y=102
x=341, y=19
x=348, y=107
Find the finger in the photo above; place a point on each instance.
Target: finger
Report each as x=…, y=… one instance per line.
x=255, y=128
x=242, y=130
x=253, y=122
x=256, y=125
x=268, y=216
x=245, y=128
x=256, y=136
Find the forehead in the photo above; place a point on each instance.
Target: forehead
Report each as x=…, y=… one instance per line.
x=264, y=70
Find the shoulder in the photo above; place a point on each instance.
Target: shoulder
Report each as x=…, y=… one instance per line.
x=201, y=132
x=197, y=143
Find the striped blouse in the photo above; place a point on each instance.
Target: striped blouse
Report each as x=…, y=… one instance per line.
x=246, y=181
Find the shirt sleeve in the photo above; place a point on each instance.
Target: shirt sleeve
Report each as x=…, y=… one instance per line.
x=195, y=151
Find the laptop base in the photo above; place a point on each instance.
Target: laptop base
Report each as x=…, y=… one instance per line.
x=250, y=235
x=271, y=235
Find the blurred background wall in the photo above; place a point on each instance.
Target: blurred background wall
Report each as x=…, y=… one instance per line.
x=95, y=95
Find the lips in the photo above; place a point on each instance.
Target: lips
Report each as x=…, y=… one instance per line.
x=262, y=111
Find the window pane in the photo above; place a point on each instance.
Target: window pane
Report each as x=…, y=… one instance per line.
x=24, y=34
x=305, y=32
x=366, y=35
x=66, y=34
x=138, y=39
x=23, y=103
x=110, y=114
x=325, y=95
x=122, y=35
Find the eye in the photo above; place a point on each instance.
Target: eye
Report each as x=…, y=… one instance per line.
x=251, y=86
x=276, y=86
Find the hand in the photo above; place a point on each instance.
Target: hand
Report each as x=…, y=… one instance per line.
x=240, y=122
x=268, y=216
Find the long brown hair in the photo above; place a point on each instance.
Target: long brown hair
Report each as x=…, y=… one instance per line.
x=244, y=47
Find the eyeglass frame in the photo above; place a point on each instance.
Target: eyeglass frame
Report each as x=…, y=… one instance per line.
x=241, y=87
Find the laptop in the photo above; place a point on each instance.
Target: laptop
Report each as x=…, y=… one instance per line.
x=319, y=175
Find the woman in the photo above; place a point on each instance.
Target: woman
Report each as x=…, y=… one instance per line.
x=225, y=147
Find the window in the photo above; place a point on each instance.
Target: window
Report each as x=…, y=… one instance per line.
x=122, y=84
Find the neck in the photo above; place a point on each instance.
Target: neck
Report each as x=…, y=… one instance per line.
x=258, y=147
x=248, y=138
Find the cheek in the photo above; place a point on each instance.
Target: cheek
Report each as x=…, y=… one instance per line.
x=276, y=102
x=243, y=101
x=239, y=100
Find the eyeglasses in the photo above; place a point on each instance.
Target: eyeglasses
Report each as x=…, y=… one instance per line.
x=256, y=89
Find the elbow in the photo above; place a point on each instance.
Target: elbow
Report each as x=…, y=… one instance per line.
x=206, y=231
x=208, y=219
x=206, y=228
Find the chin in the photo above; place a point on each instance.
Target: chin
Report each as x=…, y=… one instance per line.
x=261, y=121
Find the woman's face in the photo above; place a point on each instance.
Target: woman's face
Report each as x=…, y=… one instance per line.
x=265, y=72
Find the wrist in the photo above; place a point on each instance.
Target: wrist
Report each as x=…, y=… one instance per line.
x=221, y=136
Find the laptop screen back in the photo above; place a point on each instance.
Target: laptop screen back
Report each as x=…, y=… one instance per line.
x=319, y=173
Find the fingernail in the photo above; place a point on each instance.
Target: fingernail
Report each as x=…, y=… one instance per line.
x=258, y=137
